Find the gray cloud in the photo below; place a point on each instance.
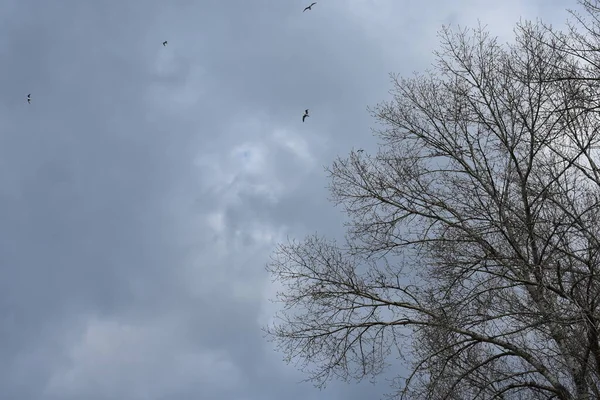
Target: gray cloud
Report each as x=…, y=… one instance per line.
x=143, y=189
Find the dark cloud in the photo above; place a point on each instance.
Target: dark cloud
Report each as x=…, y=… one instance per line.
x=144, y=187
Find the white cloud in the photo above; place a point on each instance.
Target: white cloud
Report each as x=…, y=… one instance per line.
x=138, y=360
x=295, y=144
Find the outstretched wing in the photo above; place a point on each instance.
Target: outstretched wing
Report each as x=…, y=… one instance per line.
x=304, y=117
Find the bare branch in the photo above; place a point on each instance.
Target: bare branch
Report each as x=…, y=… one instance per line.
x=487, y=187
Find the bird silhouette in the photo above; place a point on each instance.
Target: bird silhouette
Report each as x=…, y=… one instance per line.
x=165, y=43
x=359, y=150
x=305, y=115
x=29, y=98
x=310, y=7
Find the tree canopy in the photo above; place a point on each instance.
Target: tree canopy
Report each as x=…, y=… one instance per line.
x=487, y=187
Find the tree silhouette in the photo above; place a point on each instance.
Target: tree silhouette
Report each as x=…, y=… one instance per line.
x=487, y=187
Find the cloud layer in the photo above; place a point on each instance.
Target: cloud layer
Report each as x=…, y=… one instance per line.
x=143, y=189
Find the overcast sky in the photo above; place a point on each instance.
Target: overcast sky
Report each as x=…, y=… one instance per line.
x=144, y=187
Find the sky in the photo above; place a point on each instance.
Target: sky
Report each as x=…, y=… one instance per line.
x=145, y=186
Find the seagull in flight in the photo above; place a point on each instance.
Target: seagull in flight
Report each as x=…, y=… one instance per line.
x=310, y=7
x=29, y=98
x=165, y=43
x=305, y=115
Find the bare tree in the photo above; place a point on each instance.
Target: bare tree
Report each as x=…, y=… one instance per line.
x=487, y=188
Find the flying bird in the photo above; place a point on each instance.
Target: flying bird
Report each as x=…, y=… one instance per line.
x=29, y=98
x=310, y=7
x=165, y=43
x=359, y=150
x=305, y=115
